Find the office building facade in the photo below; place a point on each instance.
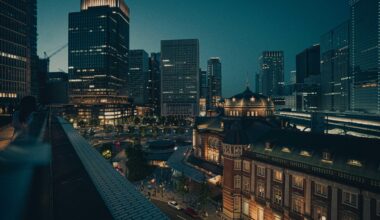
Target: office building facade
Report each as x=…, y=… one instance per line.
x=271, y=67
x=335, y=69
x=204, y=100
x=180, y=77
x=18, y=40
x=214, y=72
x=308, y=79
x=138, y=77
x=364, y=55
x=98, y=51
x=154, y=83
x=308, y=63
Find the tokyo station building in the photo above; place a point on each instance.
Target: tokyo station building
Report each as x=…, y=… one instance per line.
x=274, y=172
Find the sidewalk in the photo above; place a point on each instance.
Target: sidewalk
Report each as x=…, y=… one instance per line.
x=6, y=134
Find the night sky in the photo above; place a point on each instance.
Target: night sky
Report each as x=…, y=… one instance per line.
x=234, y=30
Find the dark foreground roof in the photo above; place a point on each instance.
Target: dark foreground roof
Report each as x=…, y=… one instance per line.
x=119, y=195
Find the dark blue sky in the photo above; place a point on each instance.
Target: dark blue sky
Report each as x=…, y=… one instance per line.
x=235, y=30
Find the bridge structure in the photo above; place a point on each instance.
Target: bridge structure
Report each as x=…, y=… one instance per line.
x=345, y=123
x=49, y=171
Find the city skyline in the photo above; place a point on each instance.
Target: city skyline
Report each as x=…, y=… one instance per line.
x=254, y=110
x=254, y=34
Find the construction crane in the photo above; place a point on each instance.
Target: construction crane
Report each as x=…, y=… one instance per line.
x=55, y=52
x=47, y=57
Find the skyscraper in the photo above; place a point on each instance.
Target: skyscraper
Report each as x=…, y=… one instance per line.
x=154, y=83
x=364, y=55
x=214, y=72
x=308, y=63
x=204, y=100
x=308, y=79
x=98, y=51
x=180, y=77
x=258, y=83
x=18, y=40
x=138, y=76
x=203, y=85
x=271, y=72
x=335, y=69
x=35, y=77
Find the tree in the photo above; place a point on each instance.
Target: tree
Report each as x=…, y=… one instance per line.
x=204, y=194
x=94, y=122
x=182, y=187
x=138, y=168
x=137, y=120
x=81, y=123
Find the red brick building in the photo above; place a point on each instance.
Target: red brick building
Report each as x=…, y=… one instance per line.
x=295, y=175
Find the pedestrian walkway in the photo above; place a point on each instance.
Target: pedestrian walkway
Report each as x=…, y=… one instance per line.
x=6, y=134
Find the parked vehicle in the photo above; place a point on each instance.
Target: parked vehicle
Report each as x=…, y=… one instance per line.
x=192, y=213
x=174, y=205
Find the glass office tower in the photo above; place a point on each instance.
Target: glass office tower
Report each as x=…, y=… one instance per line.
x=335, y=69
x=364, y=61
x=180, y=77
x=98, y=51
x=154, y=83
x=308, y=79
x=18, y=40
x=138, y=76
x=271, y=73
x=214, y=71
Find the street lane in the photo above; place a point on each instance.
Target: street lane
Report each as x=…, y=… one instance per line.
x=169, y=211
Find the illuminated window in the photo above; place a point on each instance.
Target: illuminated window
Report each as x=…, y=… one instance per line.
x=268, y=146
x=237, y=182
x=246, y=207
x=320, y=189
x=297, y=182
x=320, y=212
x=261, y=171
x=277, y=196
x=237, y=204
x=237, y=165
x=355, y=163
x=326, y=157
x=246, y=166
x=305, y=153
x=297, y=205
x=260, y=189
x=277, y=176
x=350, y=199
x=260, y=213
x=246, y=184
x=285, y=150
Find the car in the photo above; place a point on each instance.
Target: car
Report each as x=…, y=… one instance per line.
x=174, y=205
x=192, y=213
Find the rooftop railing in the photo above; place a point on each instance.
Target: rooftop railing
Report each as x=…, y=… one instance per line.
x=35, y=180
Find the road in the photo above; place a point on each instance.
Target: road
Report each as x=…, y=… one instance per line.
x=170, y=212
